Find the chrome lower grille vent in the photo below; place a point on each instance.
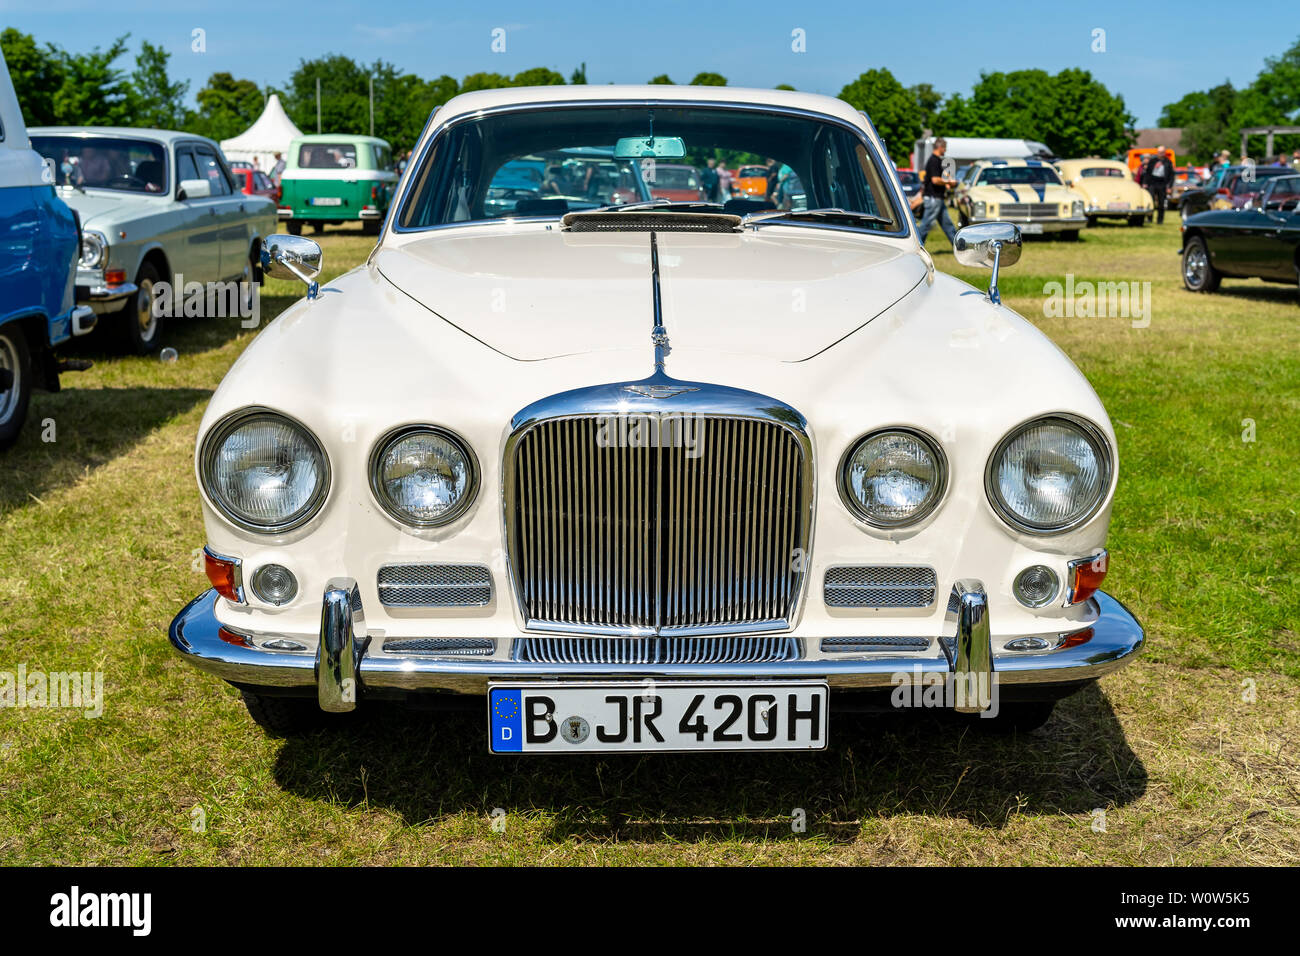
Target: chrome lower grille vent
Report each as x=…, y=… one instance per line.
x=656, y=650
x=434, y=585
x=879, y=586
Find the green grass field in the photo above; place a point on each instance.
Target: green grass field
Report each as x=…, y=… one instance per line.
x=1191, y=752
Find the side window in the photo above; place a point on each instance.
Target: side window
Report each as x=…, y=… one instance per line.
x=210, y=169
x=185, y=168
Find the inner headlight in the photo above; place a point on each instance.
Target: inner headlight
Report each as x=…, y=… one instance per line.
x=264, y=471
x=423, y=476
x=1078, y=208
x=980, y=208
x=1049, y=475
x=93, y=248
x=893, y=477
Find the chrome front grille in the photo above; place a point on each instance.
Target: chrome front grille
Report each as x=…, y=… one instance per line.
x=434, y=585
x=656, y=650
x=879, y=586
x=702, y=527
x=1028, y=210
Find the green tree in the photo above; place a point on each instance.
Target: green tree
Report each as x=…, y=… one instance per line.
x=662, y=80
x=93, y=92
x=929, y=100
x=1085, y=118
x=484, y=81
x=579, y=75
x=155, y=101
x=783, y=86
x=709, y=79
x=36, y=72
x=227, y=107
x=892, y=109
x=537, y=76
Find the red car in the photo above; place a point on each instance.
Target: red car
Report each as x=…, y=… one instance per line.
x=254, y=182
x=678, y=183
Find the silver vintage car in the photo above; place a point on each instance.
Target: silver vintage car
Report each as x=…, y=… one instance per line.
x=155, y=206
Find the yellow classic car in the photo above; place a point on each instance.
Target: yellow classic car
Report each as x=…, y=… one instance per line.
x=1108, y=189
x=1028, y=192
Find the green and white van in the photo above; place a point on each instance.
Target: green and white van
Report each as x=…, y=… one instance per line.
x=337, y=178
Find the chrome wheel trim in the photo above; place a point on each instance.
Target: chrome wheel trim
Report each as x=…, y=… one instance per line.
x=9, y=398
x=1195, y=265
x=144, y=317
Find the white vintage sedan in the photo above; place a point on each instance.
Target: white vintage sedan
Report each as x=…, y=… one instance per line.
x=654, y=475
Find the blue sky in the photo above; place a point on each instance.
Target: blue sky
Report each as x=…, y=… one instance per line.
x=1152, y=56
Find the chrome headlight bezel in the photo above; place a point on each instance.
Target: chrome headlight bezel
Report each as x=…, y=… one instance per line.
x=940, y=486
x=395, y=435
x=1105, y=459
x=96, y=243
x=223, y=429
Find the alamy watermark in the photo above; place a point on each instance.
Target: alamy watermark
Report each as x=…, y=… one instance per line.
x=1084, y=299
x=73, y=690
x=210, y=300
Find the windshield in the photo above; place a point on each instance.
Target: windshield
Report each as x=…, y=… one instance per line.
x=327, y=156
x=1018, y=176
x=1252, y=184
x=676, y=177
x=485, y=167
x=908, y=177
x=101, y=162
x=1107, y=172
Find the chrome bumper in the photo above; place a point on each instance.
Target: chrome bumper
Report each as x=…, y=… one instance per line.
x=344, y=664
x=105, y=298
x=1049, y=225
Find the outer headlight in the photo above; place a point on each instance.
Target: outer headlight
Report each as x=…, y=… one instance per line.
x=94, y=248
x=1078, y=208
x=980, y=208
x=893, y=477
x=264, y=471
x=423, y=476
x=1050, y=474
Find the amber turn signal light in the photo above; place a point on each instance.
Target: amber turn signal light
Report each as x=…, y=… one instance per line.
x=1086, y=575
x=225, y=575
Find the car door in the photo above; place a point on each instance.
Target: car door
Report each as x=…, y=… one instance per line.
x=1277, y=241
x=197, y=253
x=229, y=204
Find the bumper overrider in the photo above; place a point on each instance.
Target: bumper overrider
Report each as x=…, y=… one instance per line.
x=347, y=663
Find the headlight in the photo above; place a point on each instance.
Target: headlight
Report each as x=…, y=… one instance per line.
x=264, y=471
x=1078, y=208
x=980, y=208
x=94, y=248
x=1049, y=475
x=423, y=476
x=893, y=477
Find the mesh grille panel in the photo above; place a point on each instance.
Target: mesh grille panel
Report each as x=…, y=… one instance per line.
x=650, y=222
x=434, y=585
x=656, y=650
x=879, y=586
x=444, y=646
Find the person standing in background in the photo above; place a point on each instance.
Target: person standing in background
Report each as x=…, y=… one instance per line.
x=724, y=184
x=277, y=170
x=933, y=194
x=709, y=180
x=1157, y=177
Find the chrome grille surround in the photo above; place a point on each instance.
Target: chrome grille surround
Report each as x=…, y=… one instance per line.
x=879, y=586
x=1029, y=210
x=656, y=650
x=587, y=557
x=434, y=585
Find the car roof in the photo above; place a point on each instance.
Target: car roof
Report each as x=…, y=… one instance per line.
x=650, y=94
x=339, y=138
x=125, y=132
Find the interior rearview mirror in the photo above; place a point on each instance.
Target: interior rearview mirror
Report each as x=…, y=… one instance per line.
x=646, y=147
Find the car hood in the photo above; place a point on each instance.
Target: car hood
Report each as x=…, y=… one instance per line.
x=780, y=292
x=1015, y=193
x=97, y=206
x=1110, y=189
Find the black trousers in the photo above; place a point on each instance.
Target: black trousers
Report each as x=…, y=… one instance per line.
x=1158, y=196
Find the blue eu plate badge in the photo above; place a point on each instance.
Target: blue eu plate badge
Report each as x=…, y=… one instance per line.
x=506, y=710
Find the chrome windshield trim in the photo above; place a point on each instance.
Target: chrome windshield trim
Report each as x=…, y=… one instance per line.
x=405, y=187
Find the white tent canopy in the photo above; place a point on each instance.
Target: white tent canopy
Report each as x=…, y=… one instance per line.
x=258, y=144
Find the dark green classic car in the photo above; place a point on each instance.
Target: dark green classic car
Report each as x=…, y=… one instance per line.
x=1262, y=242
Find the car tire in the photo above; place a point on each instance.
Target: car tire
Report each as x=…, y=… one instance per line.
x=1137, y=220
x=284, y=716
x=1070, y=235
x=1199, y=274
x=295, y=228
x=318, y=228
x=963, y=218
x=140, y=329
x=1092, y=222
x=1019, y=717
x=370, y=227
x=16, y=360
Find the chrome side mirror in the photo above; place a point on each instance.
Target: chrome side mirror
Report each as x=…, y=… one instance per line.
x=292, y=257
x=988, y=245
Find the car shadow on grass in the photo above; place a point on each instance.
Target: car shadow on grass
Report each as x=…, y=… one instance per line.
x=72, y=431
x=428, y=766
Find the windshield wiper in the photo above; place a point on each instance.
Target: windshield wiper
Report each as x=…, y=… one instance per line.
x=655, y=204
x=829, y=212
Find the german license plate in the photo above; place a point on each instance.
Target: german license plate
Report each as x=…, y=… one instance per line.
x=1032, y=228
x=327, y=201
x=1116, y=205
x=564, y=717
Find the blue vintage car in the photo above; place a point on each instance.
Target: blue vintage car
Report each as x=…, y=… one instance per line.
x=38, y=269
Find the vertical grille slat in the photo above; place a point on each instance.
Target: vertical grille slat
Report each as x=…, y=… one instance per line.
x=620, y=526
